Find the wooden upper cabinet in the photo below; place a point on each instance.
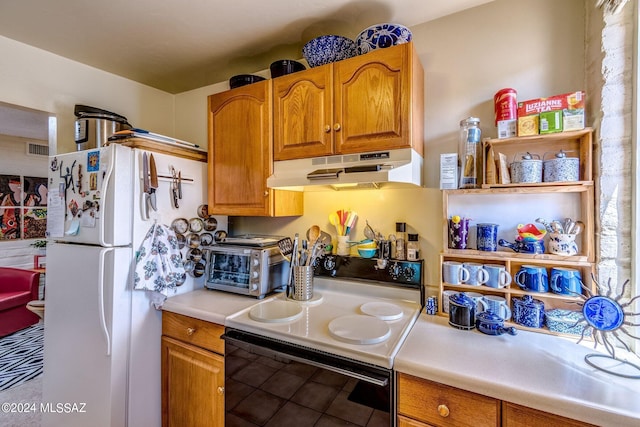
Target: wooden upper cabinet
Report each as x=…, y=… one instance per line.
x=303, y=114
x=367, y=103
x=241, y=155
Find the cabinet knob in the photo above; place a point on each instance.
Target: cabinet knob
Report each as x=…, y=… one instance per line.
x=443, y=411
x=336, y=127
x=327, y=129
x=220, y=390
x=266, y=193
x=191, y=331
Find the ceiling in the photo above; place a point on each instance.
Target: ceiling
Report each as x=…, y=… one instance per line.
x=177, y=45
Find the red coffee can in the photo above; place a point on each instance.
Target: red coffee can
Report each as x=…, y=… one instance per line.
x=505, y=105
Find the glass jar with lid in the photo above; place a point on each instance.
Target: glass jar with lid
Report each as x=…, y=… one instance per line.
x=470, y=153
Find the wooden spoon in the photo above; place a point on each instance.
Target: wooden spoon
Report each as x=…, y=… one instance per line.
x=312, y=234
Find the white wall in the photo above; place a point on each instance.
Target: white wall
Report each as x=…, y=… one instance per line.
x=37, y=79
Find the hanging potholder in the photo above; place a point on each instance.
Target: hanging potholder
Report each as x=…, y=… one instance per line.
x=159, y=265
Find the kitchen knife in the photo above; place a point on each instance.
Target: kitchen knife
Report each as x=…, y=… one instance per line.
x=145, y=185
x=154, y=182
x=180, y=185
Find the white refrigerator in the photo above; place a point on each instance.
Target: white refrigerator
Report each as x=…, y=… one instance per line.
x=102, y=337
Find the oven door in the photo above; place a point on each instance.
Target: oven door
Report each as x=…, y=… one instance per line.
x=272, y=382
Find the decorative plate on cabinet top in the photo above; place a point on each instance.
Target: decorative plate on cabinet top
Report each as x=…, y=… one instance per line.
x=180, y=225
x=381, y=36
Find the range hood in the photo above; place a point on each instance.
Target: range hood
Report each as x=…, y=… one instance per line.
x=377, y=169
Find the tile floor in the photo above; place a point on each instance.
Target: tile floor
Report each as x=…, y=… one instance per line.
x=266, y=392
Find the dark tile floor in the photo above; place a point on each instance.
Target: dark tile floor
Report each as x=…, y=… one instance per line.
x=265, y=392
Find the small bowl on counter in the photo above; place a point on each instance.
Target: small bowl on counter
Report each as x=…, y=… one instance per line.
x=243, y=80
x=283, y=67
x=367, y=252
x=327, y=49
x=381, y=36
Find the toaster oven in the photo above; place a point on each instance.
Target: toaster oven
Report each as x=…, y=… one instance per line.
x=246, y=270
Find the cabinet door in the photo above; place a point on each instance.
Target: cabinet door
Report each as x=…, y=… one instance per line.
x=408, y=422
x=303, y=114
x=372, y=101
x=240, y=150
x=520, y=416
x=192, y=386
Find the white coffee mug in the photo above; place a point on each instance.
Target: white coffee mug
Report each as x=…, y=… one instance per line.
x=498, y=305
x=477, y=297
x=445, y=299
x=499, y=277
x=477, y=274
x=454, y=272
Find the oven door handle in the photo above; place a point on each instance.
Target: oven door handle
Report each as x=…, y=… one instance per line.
x=332, y=363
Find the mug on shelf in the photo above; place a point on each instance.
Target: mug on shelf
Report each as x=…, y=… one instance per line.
x=446, y=294
x=499, y=277
x=477, y=273
x=566, y=281
x=498, y=305
x=532, y=278
x=458, y=233
x=487, y=237
x=454, y=272
x=478, y=299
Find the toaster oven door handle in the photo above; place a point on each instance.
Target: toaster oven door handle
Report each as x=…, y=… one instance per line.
x=268, y=347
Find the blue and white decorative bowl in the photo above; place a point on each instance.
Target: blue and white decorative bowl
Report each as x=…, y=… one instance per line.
x=327, y=49
x=380, y=36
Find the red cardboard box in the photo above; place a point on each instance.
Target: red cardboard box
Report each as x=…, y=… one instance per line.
x=571, y=101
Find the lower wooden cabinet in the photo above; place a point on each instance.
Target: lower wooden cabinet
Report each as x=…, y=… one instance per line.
x=192, y=372
x=520, y=416
x=423, y=403
x=441, y=405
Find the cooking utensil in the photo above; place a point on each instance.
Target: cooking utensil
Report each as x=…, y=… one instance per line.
x=286, y=247
x=313, y=233
x=153, y=185
x=368, y=231
x=568, y=225
x=557, y=227
x=578, y=227
x=146, y=186
x=545, y=223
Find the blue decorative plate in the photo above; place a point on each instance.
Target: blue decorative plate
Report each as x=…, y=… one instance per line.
x=380, y=36
x=603, y=313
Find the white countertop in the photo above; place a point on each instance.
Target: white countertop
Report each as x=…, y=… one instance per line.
x=210, y=305
x=540, y=371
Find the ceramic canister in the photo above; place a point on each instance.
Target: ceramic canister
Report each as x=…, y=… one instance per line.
x=528, y=169
x=561, y=168
x=462, y=311
x=528, y=311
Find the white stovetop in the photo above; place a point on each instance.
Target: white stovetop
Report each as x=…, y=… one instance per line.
x=360, y=336
x=537, y=370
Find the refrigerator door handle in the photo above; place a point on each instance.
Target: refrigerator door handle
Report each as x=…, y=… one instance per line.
x=101, y=307
x=103, y=217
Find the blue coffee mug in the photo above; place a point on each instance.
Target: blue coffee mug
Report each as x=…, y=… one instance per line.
x=566, y=281
x=487, y=237
x=532, y=278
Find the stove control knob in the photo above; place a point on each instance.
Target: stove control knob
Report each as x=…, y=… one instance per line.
x=329, y=263
x=255, y=274
x=254, y=287
x=394, y=271
x=256, y=262
x=408, y=273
